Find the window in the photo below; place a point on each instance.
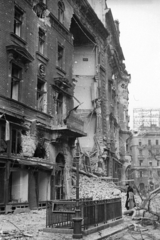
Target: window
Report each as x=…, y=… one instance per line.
x=140, y=162
x=150, y=173
x=41, y=41
x=149, y=142
x=141, y=173
x=18, y=16
x=16, y=142
x=156, y=142
x=59, y=108
x=158, y=173
x=150, y=164
x=16, y=77
x=140, y=151
x=60, y=56
x=41, y=95
x=140, y=143
x=3, y=144
x=157, y=163
x=61, y=9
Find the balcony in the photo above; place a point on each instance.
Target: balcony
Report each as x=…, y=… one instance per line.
x=72, y=126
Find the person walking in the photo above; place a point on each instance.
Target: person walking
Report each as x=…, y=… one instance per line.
x=130, y=201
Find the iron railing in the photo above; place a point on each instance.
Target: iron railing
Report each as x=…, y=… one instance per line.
x=92, y=212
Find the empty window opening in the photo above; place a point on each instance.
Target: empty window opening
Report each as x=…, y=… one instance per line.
x=18, y=15
x=60, y=56
x=15, y=81
x=41, y=43
x=16, y=142
x=40, y=151
x=61, y=8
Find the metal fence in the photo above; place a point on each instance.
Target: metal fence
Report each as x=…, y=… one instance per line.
x=92, y=212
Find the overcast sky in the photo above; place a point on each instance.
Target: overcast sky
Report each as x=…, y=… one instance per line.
x=140, y=41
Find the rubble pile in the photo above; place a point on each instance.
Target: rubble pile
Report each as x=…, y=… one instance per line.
x=14, y=234
x=155, y=206
x=96, y=188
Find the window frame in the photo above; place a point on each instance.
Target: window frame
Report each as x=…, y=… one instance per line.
x=61, y=10
x=60, y=56
x=16, y=79
x=41, y=41
x=16, y=141
x=18, y=21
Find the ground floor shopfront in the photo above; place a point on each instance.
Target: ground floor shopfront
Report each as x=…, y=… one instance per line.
x=24, y=184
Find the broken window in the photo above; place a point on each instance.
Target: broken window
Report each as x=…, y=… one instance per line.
x=3, y=144
x=60, y=56
x=16, y=142
x=40, y=8
x=41, y=42
x=15, y=81
x=41, y=95
x=40, y=151
x=61, y=8
x=18, y=16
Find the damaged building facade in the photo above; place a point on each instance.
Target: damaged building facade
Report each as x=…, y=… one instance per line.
x=62, y=77
x=101, y=85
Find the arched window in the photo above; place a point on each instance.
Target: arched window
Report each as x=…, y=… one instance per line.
x=61, y=8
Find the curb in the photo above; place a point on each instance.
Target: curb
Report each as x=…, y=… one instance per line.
x=113, y=233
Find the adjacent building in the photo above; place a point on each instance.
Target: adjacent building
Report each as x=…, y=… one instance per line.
x=62, y=77
x=145, y=151
x=146, y=117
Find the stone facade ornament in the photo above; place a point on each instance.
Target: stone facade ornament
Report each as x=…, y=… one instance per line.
x=42, y=70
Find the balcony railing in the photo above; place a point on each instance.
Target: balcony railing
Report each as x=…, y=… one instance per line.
x=74, y=122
